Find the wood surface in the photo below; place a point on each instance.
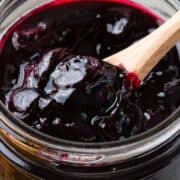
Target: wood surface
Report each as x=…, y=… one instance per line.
x=142, y=56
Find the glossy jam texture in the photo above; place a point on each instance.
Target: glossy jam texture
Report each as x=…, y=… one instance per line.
x=52, y=79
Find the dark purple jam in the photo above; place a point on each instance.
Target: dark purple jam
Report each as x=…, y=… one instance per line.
x=52, y=79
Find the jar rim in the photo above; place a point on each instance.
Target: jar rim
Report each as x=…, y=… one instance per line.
x=93, y=154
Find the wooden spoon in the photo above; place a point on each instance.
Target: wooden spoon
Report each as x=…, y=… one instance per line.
x=140, y=58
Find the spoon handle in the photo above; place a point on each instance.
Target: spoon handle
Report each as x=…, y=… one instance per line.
x=142, y=56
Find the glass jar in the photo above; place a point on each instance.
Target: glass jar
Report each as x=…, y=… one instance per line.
x=28, y=154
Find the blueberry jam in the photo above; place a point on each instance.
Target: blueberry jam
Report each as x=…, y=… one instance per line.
x=52, y=77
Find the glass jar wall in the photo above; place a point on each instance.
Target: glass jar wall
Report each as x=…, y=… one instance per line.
x=27, y=154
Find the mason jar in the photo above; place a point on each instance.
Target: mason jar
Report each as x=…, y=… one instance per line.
x=28, y=154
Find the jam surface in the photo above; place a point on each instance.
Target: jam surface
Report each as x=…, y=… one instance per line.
x=53, y=79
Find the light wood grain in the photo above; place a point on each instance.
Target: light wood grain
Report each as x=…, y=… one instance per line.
x=141, y=57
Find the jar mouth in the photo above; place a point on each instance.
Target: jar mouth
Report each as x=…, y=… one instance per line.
x=79, y=154
x=128, y=148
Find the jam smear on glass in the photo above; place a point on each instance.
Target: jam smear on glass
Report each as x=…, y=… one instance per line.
x=52, y=77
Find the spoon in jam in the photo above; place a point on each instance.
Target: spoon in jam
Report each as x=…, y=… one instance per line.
x=140, y=58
